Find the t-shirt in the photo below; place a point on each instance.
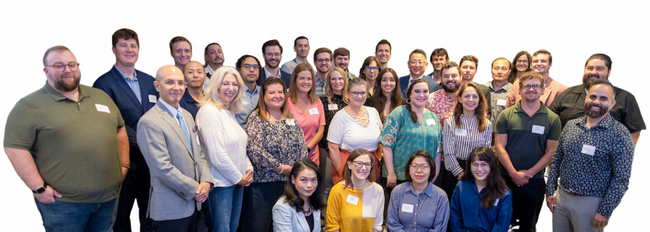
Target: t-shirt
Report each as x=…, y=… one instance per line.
x=309, y=122
x=350, y=134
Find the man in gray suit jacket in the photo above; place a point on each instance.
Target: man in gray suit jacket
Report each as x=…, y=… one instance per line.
x=180, y=177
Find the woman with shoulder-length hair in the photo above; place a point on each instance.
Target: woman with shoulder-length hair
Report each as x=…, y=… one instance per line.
x=520, y=65
x=390, y=96
x=468, y=128
x=482, y=201
x=298, y=209
x=306, y=107
x=224, y=143
x=368, y=72
x=275, y=142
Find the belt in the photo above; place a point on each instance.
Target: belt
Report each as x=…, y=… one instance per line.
x=577, y=194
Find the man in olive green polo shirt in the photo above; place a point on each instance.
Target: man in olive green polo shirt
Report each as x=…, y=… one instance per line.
x=526, y=137
x=67, y=142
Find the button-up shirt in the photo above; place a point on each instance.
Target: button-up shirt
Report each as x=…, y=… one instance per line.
x=320, y=86
x=499, y=98
x=603, y=171
x=409, y=211
x=467, y=214
x=132, y=82
x=458, y=142
x=441, y=104
x=250, y=99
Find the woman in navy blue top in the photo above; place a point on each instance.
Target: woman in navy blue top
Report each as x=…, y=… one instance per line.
x=481, y=202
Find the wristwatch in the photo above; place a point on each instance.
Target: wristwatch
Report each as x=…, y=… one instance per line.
x=41, y=189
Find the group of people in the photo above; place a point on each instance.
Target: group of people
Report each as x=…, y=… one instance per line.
x=208, y=147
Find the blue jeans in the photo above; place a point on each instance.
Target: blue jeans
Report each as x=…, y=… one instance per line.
x=72, y=217
x=225, y=208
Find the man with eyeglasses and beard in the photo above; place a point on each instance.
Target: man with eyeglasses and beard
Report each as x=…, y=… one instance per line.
x=249, y=68
x=272, y=51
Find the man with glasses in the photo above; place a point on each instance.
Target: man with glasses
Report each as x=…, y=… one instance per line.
x=438, y=58
x=301, y=47
x=249, y=68
x=272, y=51
x=68, y=143
x=383, y=52
x=323, y=62
x=417, y=64
x=526, y=137
x=134, y=94
x=541, y=63
x=342, y=60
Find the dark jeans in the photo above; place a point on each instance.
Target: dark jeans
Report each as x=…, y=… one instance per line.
x=135, y=186
x=527, y=202
x=187, y=224
x=73, y=217
x=259, y=199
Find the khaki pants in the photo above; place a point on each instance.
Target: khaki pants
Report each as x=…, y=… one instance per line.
x=575, y=213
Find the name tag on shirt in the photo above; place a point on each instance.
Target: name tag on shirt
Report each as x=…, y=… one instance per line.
x=313, y=111
x=152, y=98
x=407, y=208
x=102, y=108
x=461, y=132
x=538, y=129
x=588, y=150
x=501, y=102
x=332, y=107
x=290, y=122
x=431, y=122
x=352, y=199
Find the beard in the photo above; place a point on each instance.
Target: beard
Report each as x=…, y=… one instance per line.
x=63, y=86
x=450, y=89
x=595, y=114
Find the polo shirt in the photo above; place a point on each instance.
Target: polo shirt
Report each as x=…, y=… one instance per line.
x=188, y=103
x=74, y=144
x=527, y=135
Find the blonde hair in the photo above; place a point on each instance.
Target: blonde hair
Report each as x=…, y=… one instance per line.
x=211, y=93
x=329, y=93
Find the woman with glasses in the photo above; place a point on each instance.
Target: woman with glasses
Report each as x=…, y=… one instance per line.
x=467, y=129
x=390, y=96
x=298, y=209
x=369, y=71
x=418, y=205
x=482, y=201
x=356, y=126
x=520, y=65
x=275, y=142
x=306, y=107
x=356, y=204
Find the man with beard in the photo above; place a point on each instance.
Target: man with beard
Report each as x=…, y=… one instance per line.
x=342, y=60
x=593, y=162
x=417, y=65
x=249, y=68
x=272, y=51
x=438, y=58
x=194, y=77
x=214, y=58
x=626, y=110
x=67, y=142
x=526, y=137
x=383, y=52
x=181, y=50
x=541, y=63
x=441, y=102
x=323, y=62
x=301, y=47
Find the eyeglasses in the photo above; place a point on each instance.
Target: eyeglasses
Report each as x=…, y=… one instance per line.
x=323, y=60
x=361, y=164
x=255, y=66
x=61, y=66
x=361, y=94
x=418, y=62
x=423, y=167
x=535, y=86
x=372, y=68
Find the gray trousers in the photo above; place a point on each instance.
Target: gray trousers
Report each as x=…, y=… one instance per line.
x=575, y=213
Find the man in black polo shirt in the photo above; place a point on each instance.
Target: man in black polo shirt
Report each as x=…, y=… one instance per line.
x=526, y=137
x=570, y=104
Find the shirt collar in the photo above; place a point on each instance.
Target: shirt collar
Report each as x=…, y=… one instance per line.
x=268, y=74
x=135, y=74
x=58, y=96
x=606, y=123
x=170, y=109
x=256, y=90
x=428, y=190
x=491, y=85
x=542, y=109
x=188, y=97
x=208, y=69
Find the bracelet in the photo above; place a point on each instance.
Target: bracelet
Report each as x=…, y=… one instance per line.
x=126, y=166
x=281, y=171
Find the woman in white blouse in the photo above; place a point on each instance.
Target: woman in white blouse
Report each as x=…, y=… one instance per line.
x=224, y=144
x=356, y=126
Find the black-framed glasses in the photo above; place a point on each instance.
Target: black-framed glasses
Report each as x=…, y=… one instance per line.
x=61, y=66
x=361, y=164
x=535, y=86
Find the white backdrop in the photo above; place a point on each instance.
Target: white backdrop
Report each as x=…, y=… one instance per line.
x=571, y=31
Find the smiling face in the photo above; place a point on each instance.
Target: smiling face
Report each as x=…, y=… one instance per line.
x=302, y=48
x=531, y=90
x=419, y=95
x=599, y=101
x=371, y=71
x=342, y=62
x=419, y=170
x=304, y=81
x=417, y=64
x=360, y=168
x=450, y=80
x=182, y=53
x=194, y=74
x=170, y=84
x=228, y=88
x=274, y=97
x=522, y=63
x=469, y=99
x=383, y=53
x=66, y=80
x=272, y=56
x=541, y=63
x=358, y=95
x=467, y=71
x=126, y=52
x=336, y=82
x=438, y=61
x=480, y=170
x=387, y=83
x=595, y=69
x=323, y=62
x=306, y=182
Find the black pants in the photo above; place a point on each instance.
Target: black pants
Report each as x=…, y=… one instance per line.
x=449, y=181
x=179, y=225
x=135, y=186
x=257, y=206
x=527, y=202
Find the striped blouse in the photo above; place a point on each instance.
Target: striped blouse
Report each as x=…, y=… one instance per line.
x=459, y=142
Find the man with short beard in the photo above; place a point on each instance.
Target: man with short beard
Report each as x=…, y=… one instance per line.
x=568, y=105
x=323, y=62
x=441, y=102
x=342, y=60
x=438, y=58
x=214, y=58
x=249, y=68
x=194, y=77
x=593, y=163
x=541, y=63
x=301, y=47
x=272, y=51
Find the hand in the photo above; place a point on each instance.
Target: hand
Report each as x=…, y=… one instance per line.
x=600, y=220
x=124, y=171
x=520, y=178
x=460, y=176
x=391, y=180
x=287, y=170
x=247, y=179
x=47, y=196
x=202, y=192
x=551, y=203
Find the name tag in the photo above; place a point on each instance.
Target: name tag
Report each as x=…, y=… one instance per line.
x=313, y=111
x=290, y=122
x=461, y=132
x=407, y=208
x=588, y=150
x=538, y=129
x=352, y=199
x=501, y=102
x=496, y=202
x=332, y=107
x=102, y=108
x=152, y=98
x=431, y=122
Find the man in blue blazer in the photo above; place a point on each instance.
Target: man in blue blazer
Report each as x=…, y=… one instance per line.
x=272, y=51
x=417, y=65
x=133, y=93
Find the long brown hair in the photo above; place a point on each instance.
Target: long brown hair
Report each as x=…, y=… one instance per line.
x=495, y=186
x=379, y=99
x=347, y=172
x=366, y=62
x=293, y=90
x=480, y=111
x=414, y=116
x=513, y=69
x=261, y=105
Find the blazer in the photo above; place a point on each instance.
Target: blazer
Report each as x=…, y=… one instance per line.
x=286, y=77
x=131, y=109
x=176, y=171
x=404, y=84
x=285, y=218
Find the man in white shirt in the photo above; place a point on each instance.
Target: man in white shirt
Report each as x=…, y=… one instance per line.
x=214, y=59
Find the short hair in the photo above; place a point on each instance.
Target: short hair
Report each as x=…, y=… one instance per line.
x=544, y=51
x=472, y=58
x=367, y=62
x=57, y=48
x=448, y=65
x=427, y=157
x=347, y=172
x=273, y=42
x=176, y=40
x=357, y=81
x=125, y=34
x=292, y=195
x=439, y=52
x=205, y=51
x=384, y=41
x=293, y=89
x=418, y=51
x=513, y=68
x=603, y=82
x=261, y=104
x=321, y=50
x=603, y=57
x=295, y=42
x=528, y=76
x=501, y=58
x=211, y=95
x=341, y=52
x=328, y=85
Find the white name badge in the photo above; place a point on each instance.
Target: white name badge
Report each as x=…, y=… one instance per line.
x=538, y=129
x=407, y=208
x=313, y=111
x=588, y=150
x=102, y=108
x=152, y=98
x=431, y=122
x=496, y=202
x=352, y=199
x=332, y=107
x=461, y=132
x=290, y=122
x=501, y=102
